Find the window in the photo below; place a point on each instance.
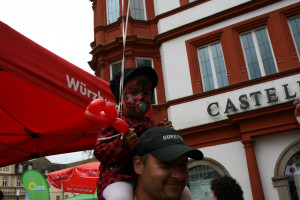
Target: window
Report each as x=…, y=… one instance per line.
x=115, y=68
x=113, y=10
x=29, y=167
x=4, y=184
x=137, y=9
x=6, y=168
x=286, y=172
x=201, y=172
x=199, y=181
x=57, y=197
x=292, y=170
x=20, y=168
x=46, y=172
x=295, y=29
x=143, y=62
x=19, y=182
x=212, y=67
x=258, y=54
x=146, y=62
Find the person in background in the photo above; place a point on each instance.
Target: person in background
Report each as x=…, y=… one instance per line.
x=226, y=188
x=160, y=161
x=1, y=195
x=114, y=150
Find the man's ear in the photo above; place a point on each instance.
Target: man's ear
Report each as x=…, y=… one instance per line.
x=137, y=164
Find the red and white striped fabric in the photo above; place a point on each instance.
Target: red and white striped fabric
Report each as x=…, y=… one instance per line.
x=79, y=179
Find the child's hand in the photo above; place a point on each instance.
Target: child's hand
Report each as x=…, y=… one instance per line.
x=130, y=139
x=166, y=123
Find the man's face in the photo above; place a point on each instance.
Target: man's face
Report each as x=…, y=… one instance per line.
x=137, y=96
x=164, y=180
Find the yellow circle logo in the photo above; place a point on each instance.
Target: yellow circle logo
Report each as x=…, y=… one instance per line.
x=31, y=186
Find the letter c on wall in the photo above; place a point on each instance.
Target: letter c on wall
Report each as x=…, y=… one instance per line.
x=209, y=109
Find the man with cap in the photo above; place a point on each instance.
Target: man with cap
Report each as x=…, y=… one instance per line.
x=113, y=149
x=160, y=161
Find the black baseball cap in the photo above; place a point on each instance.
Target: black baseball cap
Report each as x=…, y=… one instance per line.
x=129, y=73
x=166, y=144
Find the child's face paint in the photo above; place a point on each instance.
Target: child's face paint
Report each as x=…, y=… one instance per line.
x=137, y=96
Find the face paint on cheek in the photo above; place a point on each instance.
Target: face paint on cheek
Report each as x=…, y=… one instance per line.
x=130, y=101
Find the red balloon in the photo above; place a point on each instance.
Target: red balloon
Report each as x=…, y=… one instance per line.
x=96, y=106
x=98, y=119
x=292, y=170
x=120, y=125
x=104, y=114
x=110, y=111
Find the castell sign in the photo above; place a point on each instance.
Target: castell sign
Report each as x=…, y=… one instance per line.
x=246, y=101
x=221, y=106
x=253, y=97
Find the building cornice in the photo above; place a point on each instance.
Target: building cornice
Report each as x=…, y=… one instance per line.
x=233, y=87
x=213, y=19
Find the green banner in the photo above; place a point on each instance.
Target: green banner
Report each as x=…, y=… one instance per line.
x=35, y=185
x=84, y=197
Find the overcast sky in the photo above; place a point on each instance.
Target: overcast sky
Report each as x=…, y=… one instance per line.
x=64, y=27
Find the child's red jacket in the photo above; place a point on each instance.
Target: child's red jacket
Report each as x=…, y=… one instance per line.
x=115, y=159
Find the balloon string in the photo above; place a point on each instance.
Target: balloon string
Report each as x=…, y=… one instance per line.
x=124, y=32
x=106, y=138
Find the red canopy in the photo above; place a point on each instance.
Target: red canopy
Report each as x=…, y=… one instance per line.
x=43, y=98
x=78, y=179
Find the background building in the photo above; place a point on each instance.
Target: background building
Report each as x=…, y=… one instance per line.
x=228, y=75
x=11, y=177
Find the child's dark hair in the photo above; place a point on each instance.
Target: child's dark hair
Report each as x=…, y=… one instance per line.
x=129, y=73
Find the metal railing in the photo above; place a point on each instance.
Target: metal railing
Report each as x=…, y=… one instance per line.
x=12, y=191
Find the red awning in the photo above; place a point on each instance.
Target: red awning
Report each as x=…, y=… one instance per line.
x=42, y=101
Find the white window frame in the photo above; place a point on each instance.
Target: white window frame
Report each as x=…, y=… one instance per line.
x=288, y=20
x=20, y=168
x=258, y=53
x=19, y=182
x=6, y=168
x=107, y=12
x=111, y=66
x=145, y=11
x=152, y=65
x=4, y=182
x=213, y=68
